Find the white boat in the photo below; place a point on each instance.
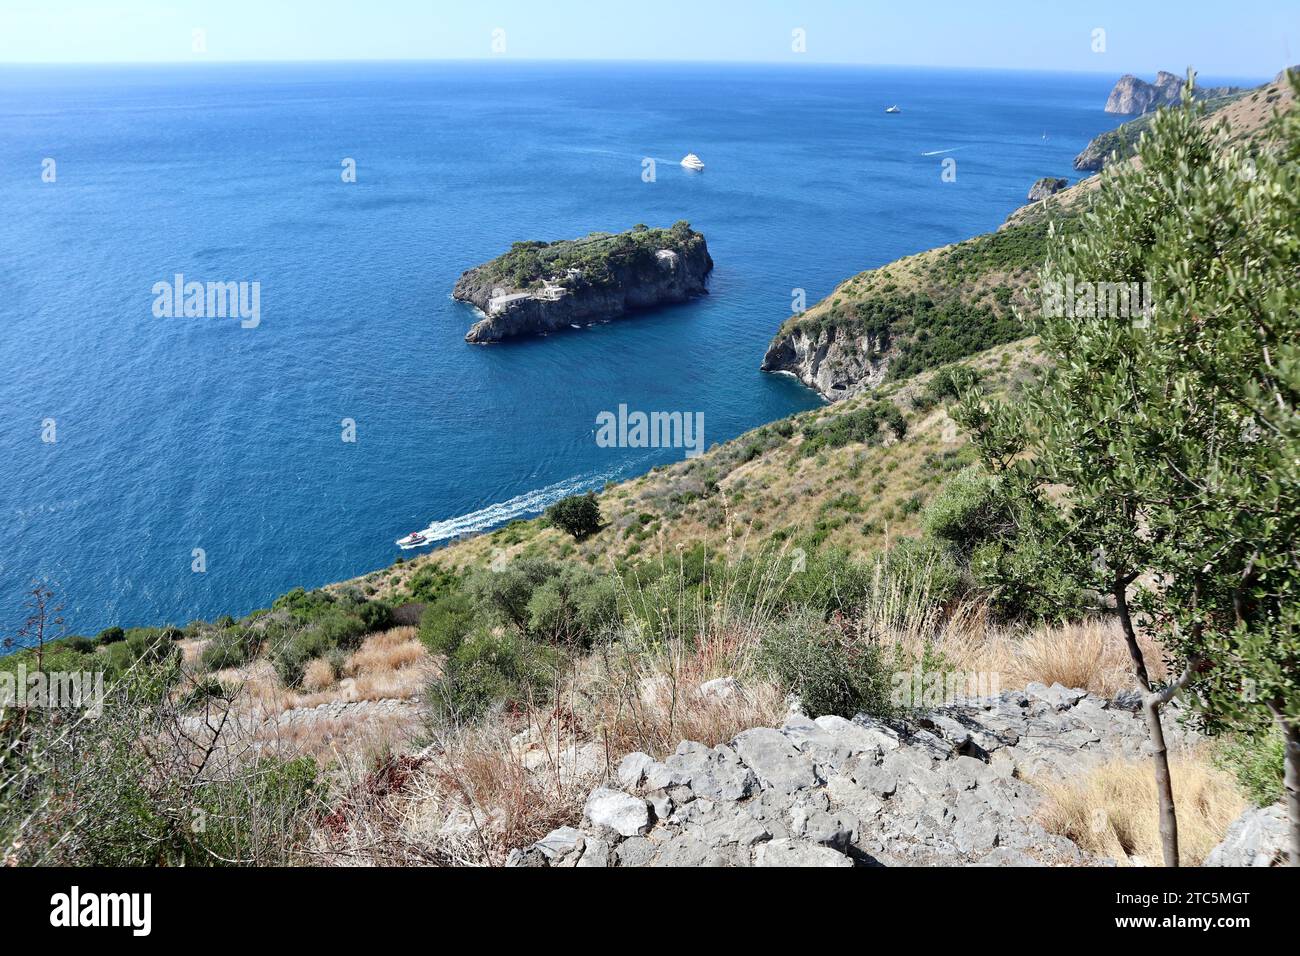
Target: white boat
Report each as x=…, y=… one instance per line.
x=411, y=540
x=693, y=162
x=892, y=109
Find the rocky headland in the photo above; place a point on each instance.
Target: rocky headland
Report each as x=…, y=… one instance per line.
x=540, y=287
x=1133, y=95
x=1245, y=109
x=1045, y=187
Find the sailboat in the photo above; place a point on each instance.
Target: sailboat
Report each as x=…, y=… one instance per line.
x=892, y=109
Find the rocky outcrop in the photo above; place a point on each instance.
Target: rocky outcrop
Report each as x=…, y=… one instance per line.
x=579, y=282
x=1103, y=149
x=1045, y=187
x=1257, y=838
x=949, y=787
x=1133, y=95
x=836, y=362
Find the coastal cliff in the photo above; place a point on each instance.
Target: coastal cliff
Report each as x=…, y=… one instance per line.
x=1045, y=187
x=1133, y=95
x=542, y=287
x=923, y=311
x=1245, y=111
x=915, y=314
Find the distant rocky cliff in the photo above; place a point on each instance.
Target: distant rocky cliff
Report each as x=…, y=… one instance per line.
x=1133, y=95
x=1045, y=187
x=542, y=287
x=837, y=362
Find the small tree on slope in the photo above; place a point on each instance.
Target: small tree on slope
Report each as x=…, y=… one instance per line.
x=1171, y=442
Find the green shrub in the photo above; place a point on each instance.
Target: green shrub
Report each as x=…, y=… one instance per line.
x=111, y=635
x=968, y=511
x=919, y=570
x=487, y=671
x=504, y=595
x=231, y=648
x=375, y=616
x=119, y=791
x=291, y=657
x=573, y=606
x=446, y=623
x=1257, y=761
x=830, y=670
x=431, y=582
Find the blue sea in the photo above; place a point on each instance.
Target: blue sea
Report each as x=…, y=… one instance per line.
x=176, y=434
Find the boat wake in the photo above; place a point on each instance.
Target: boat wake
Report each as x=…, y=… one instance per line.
x=940, y=152
x=526, y=505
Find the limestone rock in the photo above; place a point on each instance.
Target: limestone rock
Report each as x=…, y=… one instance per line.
x=777, y=763
x=1045, y=187
x=624, y=814
x=798, y=853
x=1256, y=838
x=632, y=769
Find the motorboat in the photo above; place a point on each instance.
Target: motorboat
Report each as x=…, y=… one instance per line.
x=893, y=109
x=693, y=162
x=411, y=540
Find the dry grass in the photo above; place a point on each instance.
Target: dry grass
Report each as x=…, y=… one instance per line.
x=1090, y=655
x=331, y=740
x=651, y=702
x=1112, y=810
x=468, y=800
x=392, y=650
x=318, y=675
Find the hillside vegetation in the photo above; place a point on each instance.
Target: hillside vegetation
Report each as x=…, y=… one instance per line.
x=990, y=515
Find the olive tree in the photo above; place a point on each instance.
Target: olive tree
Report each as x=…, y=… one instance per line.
x=1158, y=456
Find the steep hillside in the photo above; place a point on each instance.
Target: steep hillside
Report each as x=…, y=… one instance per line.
x=838, y=476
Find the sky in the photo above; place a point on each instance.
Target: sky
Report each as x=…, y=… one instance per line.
x=1244, y=38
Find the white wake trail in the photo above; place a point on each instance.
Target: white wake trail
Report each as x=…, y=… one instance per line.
x=530, y=502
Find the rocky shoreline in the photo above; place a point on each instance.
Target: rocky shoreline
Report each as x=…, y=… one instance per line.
x=835, y=362
x=539, y=288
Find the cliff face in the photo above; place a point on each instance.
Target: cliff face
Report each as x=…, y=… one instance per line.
x=583, y=281
x=835, y=362
x=1047, y=186
x=1133, y=95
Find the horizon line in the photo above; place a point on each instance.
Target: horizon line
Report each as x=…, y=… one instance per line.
x=200, y=61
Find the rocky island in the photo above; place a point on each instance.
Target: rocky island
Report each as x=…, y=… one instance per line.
x=540, y=287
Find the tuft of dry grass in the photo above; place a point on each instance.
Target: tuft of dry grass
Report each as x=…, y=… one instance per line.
x=391, y=650
x=1112, y=810
x=652, y=702
x=318, y=675
x=1090, y=655
x=467, y=800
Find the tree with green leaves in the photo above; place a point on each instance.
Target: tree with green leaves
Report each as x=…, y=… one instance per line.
x=579, y=515
x=1158, y=460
